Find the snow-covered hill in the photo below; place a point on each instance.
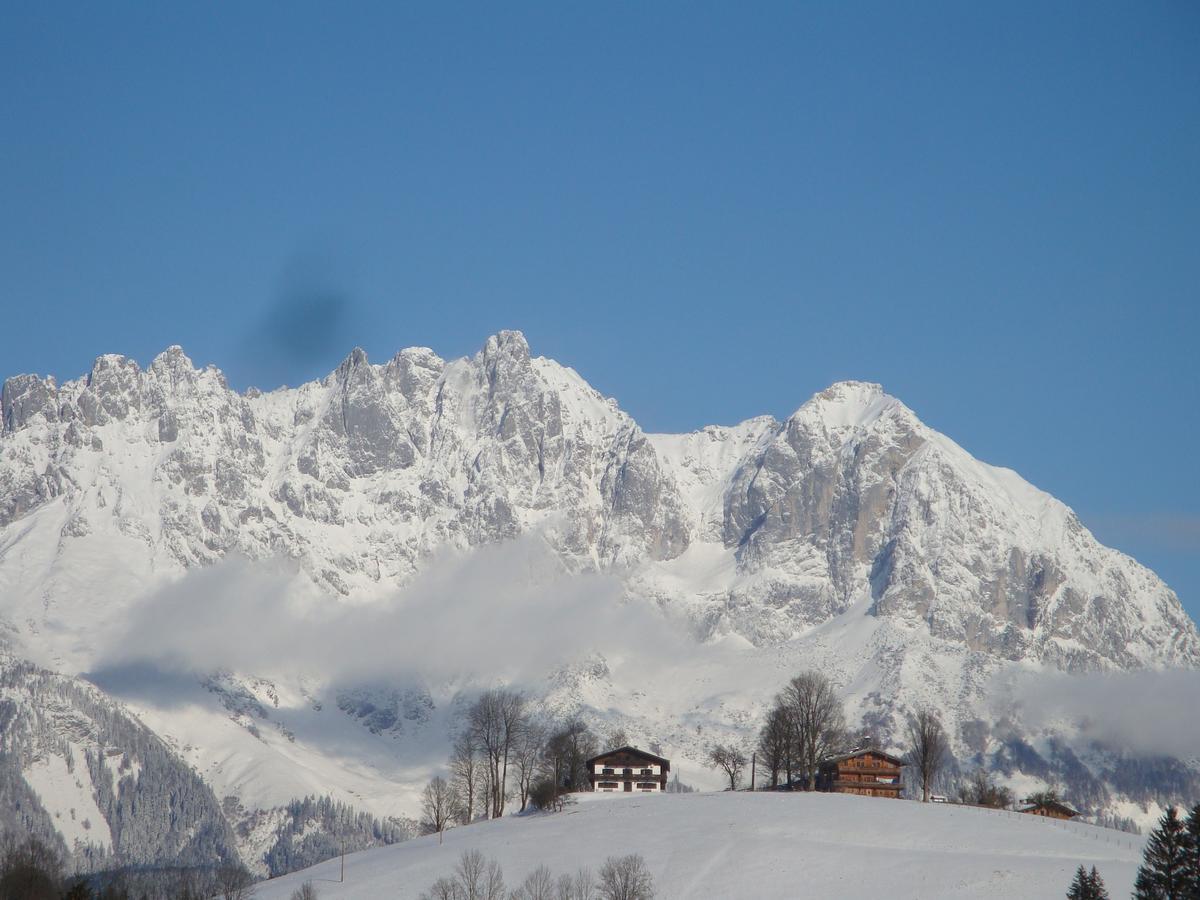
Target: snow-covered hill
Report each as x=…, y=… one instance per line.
x=701, y=846
x=296, y=590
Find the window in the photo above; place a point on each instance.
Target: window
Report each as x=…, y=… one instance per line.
x=607, y=771
x=627, y=772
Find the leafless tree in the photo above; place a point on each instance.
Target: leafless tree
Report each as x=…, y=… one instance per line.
x=980, y=790
x=927, y=748
x=235, y=883
x=479, y=878
x=626, y=878
x=568, y=749
x=495, y=721
x=730, y=759
x=466, y=774
x=538, y=885
x=818, y=719
x=581, y=887
x=1050, y=795
x=437, y=804
x=306, y=891
x=774, y=744
x=442, y=889
x=527, y=758
x=616, y=738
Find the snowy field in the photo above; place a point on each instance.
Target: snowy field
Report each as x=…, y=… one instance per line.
x=763, y=845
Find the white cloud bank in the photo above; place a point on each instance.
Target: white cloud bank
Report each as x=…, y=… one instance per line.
x=508, y=611
x=1152, y=712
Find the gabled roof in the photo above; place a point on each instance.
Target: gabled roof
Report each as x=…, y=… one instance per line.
x=894, y=760
x=1049, y=804
x=634, y=751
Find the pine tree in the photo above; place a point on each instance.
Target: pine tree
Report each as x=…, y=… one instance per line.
x=1191, y=851
x=1080, y=886
x=1087, y=886
x=1163, y=875
x=1099, y=891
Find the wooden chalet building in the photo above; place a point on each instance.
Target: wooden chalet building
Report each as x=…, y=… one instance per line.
x=1051, y=809
x=871, y=773
x=628, y=769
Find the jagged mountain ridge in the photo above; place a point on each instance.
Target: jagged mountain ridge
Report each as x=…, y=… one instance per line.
x=361, y=476
x=849, y=536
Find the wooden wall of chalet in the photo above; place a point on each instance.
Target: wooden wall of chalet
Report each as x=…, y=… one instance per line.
x=860, y=774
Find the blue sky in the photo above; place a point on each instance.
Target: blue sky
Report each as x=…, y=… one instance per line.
x=711, y=212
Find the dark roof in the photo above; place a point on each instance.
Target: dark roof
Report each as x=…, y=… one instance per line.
x=894, y=760
x=1049, y=804
x=632, y=750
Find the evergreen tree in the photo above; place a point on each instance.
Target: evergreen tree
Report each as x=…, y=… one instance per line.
x=1087, y=886
x=1099, y=891
x=1192, y=851
x=1079, y=887
x=1163, y=875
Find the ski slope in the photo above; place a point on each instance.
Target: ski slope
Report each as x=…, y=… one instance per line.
x=762, y=845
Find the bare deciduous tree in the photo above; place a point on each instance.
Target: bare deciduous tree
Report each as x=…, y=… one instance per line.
x=478, y=878
x=528, y=758
x=466, y=772
x=494, y=722
x=982, y=791
x=731, y=760
x=927, y=748
x=437, y=804
x=306, y=891
x=567, y=752
x=616, y=738
x=538, y=885
x=626, y=878
x=581, y=887
x=235, y=883
x=774, y=744
x=818, y=719
x=442, y=889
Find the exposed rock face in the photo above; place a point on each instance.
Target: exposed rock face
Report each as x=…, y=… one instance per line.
x=363, y=475
x=768, y=530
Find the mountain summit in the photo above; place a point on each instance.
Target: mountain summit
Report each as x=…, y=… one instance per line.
x=849, y=535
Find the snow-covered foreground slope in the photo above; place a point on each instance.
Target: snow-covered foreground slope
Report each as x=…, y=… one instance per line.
x=760, y=846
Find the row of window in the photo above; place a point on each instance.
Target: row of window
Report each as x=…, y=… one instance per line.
x=607, y=771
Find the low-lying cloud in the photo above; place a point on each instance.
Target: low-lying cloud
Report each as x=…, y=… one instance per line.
x=1152, y=712
x=509, y=611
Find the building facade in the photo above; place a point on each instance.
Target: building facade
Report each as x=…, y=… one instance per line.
x=628, y=769
x=1051, y=809
x=870, y=773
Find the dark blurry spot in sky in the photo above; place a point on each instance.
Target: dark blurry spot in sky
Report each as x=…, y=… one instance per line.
x=309, y=326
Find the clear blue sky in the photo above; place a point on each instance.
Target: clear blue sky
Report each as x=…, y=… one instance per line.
x=710, y=211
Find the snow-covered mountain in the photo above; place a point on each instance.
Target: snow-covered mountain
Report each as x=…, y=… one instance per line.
x=849, y=536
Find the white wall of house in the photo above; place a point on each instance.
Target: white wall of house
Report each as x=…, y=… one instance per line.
x=618, y=776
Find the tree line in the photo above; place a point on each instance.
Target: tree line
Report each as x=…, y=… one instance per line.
x=806, y=724
x=31, y=869
x=478, y=878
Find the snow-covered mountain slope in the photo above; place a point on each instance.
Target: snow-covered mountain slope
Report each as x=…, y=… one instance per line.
x=849, y=536
x=700, y=846
x=80, y=769
x=363, y=475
